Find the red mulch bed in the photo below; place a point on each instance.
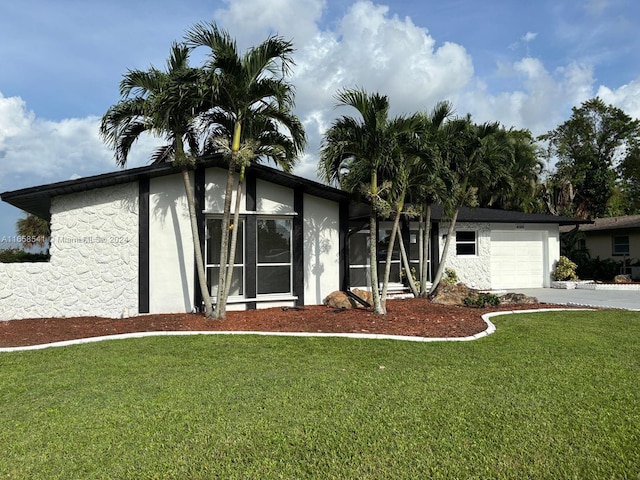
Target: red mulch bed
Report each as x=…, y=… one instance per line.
x=413, y=317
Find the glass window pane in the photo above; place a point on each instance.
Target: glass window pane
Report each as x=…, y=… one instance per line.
x=359, y=249
x=465, y=249
x=276, y=279
x=359, y=277
x=394, y=272
x=237, y=282
x=274, y=241
x=466, y=236
x=621, y=245
x=214, y=226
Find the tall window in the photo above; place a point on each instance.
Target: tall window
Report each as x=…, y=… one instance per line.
x=384, y=239
x=465, y=243
x=621, y=245
x=359, y=275
x=274, y=256
x=213, y=235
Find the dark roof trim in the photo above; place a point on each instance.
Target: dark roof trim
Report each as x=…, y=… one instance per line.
x=37, y=200
x=483, y=215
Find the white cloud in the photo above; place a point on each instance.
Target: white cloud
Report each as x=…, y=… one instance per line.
x=34, y=150
x=529, y=37
x=627, y=97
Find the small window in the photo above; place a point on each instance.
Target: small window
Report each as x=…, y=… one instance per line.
x=465, y=243
x=621, y=245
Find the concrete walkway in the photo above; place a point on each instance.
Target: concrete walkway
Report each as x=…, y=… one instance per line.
x=628, y=300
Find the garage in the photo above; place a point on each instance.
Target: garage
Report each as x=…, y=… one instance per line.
x=517, y=259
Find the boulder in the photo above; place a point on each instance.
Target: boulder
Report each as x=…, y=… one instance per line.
x=365, y=295
x=453, y=294
x=622, y=279
x=339, y=299
x=517, y=298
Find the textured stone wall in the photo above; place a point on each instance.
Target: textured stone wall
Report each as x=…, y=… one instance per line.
x=473, y=271
x=94, y=260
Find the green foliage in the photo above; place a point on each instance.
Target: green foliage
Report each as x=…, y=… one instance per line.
x=565, y=270
x=17, y=255
x=596, y=148
x=33, y=230
x=450, y=276
x=482, y=300
x=598, y=269
x=556, y=397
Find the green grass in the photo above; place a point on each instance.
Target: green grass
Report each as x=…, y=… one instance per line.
x=553, y=395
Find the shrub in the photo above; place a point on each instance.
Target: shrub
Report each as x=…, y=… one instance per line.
x=450, y=276
x=565, y=270
x=16, y=255
x=482, y=300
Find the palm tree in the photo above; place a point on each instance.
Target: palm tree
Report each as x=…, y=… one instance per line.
x=250, y=116
x=167, y=104
x=430, y=179
x=33, y=231
x=475, y=156
x=357, y=152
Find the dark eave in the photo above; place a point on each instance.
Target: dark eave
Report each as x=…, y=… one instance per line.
x=37, y=200
x=484, y=215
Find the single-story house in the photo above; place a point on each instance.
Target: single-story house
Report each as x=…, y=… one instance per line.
x=615, y=238
x=121, y=244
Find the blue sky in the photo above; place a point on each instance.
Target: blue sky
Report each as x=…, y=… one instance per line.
x=525, y=64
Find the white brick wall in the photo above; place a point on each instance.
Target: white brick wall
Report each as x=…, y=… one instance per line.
x=94, y=260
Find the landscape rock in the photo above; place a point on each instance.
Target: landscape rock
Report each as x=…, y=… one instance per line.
x=339, y=299
x=517, y=298
x=365, y=295
x=622, y=279
x=453, y=294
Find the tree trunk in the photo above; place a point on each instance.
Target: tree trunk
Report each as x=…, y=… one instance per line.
x=387, y=264
x=373, y=244
x=221, y=303
x=202, y=278
x=407, y=265
x=445, y=250
x=234, y=234
x=426, y=243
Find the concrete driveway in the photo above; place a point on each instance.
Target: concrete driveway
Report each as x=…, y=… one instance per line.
x=628, y=300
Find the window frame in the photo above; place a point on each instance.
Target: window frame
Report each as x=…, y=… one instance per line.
x=615, y=246
x=259, y=264
x=241, y=241
x=467, y=242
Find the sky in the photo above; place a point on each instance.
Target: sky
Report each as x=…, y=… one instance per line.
x=522, y=63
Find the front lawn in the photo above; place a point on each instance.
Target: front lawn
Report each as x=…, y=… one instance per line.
x=550, y=395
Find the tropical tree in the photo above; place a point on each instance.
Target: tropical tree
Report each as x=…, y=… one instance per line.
x=519, y=190
x=356, y=153
x=596, y=148
x=430, y=180
x=166, y=104
x=476, y=157
x=33, y=231
x=250, y=117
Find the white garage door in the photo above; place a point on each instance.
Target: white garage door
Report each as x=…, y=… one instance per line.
x=517, y=259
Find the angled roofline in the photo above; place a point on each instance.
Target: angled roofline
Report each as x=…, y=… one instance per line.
x=484, y=215
x=37, y=199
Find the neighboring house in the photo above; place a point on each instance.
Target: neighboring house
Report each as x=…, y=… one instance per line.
x=615, y=238
x=121, y=244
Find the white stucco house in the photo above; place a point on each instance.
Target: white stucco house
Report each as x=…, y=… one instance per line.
x=121, y=244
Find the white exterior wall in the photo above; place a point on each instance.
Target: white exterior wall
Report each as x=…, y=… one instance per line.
x=475, y=271
x=472, y=270
x=171, y=257
x=93, y=269
x=215, y=180
x=321, y=249
x=273, y=199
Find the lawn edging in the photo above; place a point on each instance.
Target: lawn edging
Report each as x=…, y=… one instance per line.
x=491, y=328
